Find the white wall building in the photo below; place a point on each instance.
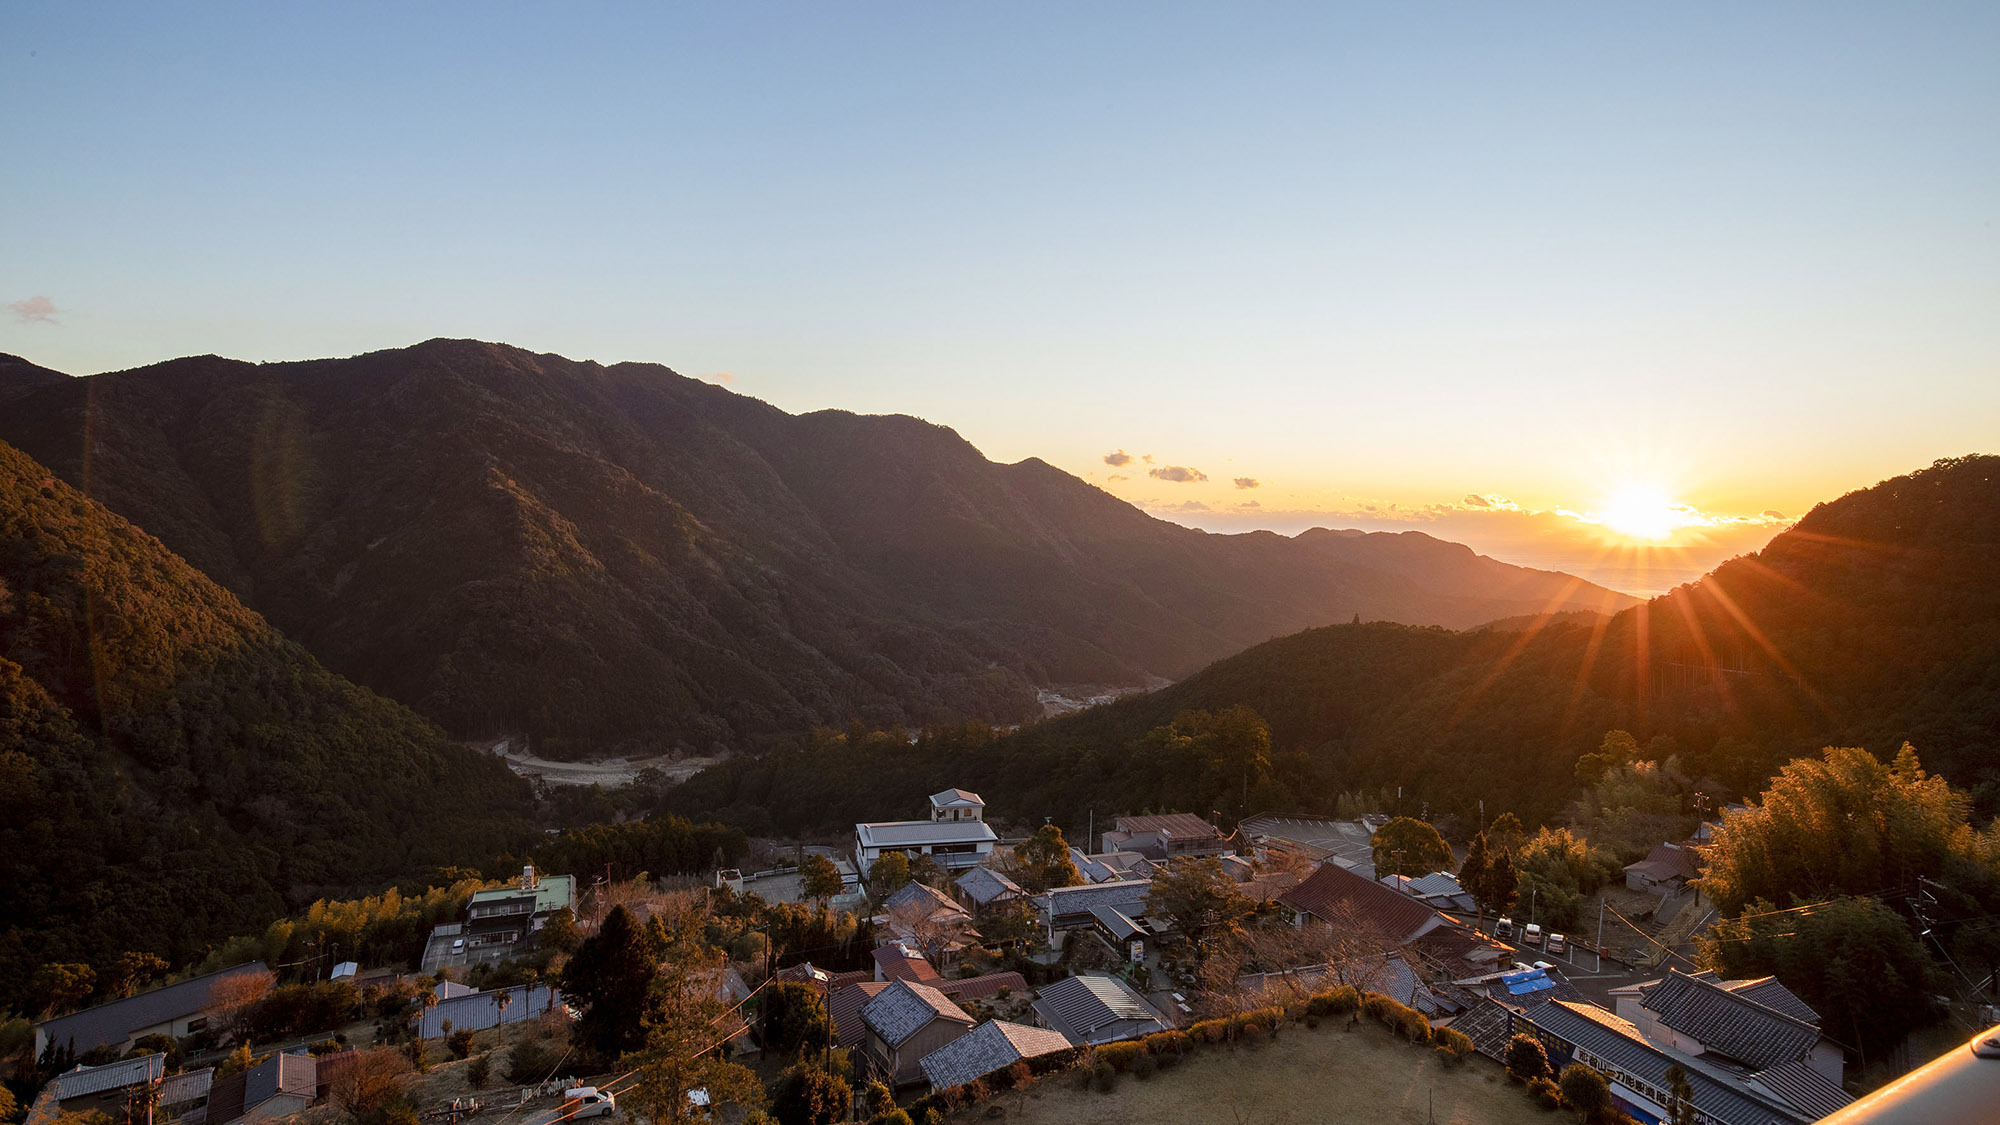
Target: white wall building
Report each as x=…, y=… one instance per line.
x=956, y=835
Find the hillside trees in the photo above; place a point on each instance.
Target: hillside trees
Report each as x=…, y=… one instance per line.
x=1043, y=861
x=610, y=980
x=1560, y=869
x=1408, y=846
x=1201, y=901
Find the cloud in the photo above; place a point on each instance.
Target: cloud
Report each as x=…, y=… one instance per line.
x=1486, y=502
x=1118, y=459
x=1186, y=506
x=720, y=378
x=1773, y=514
x=1180, y=474
x=1146, y=457
x=1249, y=504
x=35, y=310
x=1117, y=477
x=1247, y=482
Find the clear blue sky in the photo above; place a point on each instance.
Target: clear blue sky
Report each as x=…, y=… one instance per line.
x=1364, y=254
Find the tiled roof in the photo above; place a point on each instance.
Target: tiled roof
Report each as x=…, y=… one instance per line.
x=1769, y=992
x=983, y=885
x=902, y=1009
x=1334, y=894
x=989, y=1047
x=113, y=1023
x=1669, y=861
x=1620, y=1047
x=950, y=797
x=898, y=963
x=111, y=1076
x=1079, y=1006
x=1115, y=923
x=233, y=1097
x=911, y=833
x=1798, y=1083
x=1728, y=1023
x=979, y=988
x=187, y=1086
x=1490, y=1026
x=1128, y=895
x=922, y=897
x=845, y=1007
x=1181, y=826
x=1093, y=871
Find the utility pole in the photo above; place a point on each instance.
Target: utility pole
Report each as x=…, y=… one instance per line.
x=1600, y=935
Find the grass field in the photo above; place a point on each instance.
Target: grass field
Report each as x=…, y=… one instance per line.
x=1307, y=1076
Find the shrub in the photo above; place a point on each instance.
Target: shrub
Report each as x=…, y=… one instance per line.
x=1585, y=1090
x=891, y=1117
x=1398, y=1017
x=478, y=1070
x=1168, y=1043
x=1119, y=1056
x=1545, y=1093
x=529, y=1063
x=1526, y=1060
x=459, y=1043
x=1334, y=1001
x=1210, y=1031
x=1105, y=1077
x=1452, y=1043
x=1143, y=1066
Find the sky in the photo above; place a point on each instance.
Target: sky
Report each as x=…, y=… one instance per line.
x=1621, y=289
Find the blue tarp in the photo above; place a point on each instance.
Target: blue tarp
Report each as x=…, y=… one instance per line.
x=1522, y=983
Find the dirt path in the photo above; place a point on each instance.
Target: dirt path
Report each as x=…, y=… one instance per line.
x=609, y=772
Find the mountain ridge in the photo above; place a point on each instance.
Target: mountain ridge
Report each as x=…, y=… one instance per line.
x=616, y=557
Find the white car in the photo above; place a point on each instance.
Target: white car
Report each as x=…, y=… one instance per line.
x=1558, y=943
x=1532, y=935
x=588, y=1101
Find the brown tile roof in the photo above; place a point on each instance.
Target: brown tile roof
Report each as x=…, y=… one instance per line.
x=1338, y=896
x=897, y=963
x=979, y=988
x=845, y=1006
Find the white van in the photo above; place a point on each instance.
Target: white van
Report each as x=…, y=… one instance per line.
x=588, y=1101
x=1558, y=944
x=1532, y=935
x=1503, y=929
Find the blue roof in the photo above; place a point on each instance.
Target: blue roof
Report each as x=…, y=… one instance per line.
x=1527, y=981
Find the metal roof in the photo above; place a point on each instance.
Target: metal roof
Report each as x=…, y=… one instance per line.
x=989, y=1047
x=115, y=1022
x=1115, y=923
x=950, y=797
x=1180, y=826
x=911, y=833
x=905, y=1007
x=478, y=1011
x=187, y=1086
x=1624, y=1053
x=1079, y=1007
x=86, y=1080
x=845, y=1005
x=1728, y=1023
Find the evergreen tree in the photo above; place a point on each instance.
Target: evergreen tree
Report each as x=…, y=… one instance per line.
x=609, y=980
x=1680, y=1097
x=1043, y=861
x=818, y=877
x=1408, y=846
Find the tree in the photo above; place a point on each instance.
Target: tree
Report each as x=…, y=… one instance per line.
x=233, y=1000
x=459, y=1043
x=687, y=1028
x=1585, y=1091
x=478, y=1071
x=1855, y=960
x=1617, y=749
x=1561, y=869
x=1472, y=874
x=926, y=870
x=61, y=986
x=1043, y=861
x=1680, y=1097
x=1505, y=834
x=371, y=1079
x=795, y=1018
x=609, y=979
x=818, y=878
x=890, y=874
x=811, y=1095
x=559, y=932
x=1526, y=1060
x=1201, y=901
x=132, y=972
x=1408, y=846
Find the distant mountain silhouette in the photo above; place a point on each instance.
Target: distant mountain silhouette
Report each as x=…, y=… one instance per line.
x=617, y=557
x=1875, y=620
x=172, y=771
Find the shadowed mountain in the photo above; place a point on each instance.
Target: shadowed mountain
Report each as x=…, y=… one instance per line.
x=1875, y=620
x=172, y=771
x=616, y=557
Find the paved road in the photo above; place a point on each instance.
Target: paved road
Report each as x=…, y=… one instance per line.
x=1583, y=970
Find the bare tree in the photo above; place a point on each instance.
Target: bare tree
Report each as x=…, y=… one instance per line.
x=365, y=1081
x=233, y=999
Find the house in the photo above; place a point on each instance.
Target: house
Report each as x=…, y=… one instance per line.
x=1439, y=889
x=1337, y=897
x=1666, y=867
x=897, y=961
x=1096, y=1009
x=1636, y=1068
x=507, y=916
x=176, y=1010
x=904, y=1022
x=983, y=888
x=843, y=1007
x=96, y=1089
x=1110, y=867
x=279, y=1086
x=188, y=1090
x=1122, y=930
x=993, y=1045
x=1070, y=908
x=927, y=919
x=1166, y=836
x=956, y=835
x=477, y=1011
x=1748, y=1024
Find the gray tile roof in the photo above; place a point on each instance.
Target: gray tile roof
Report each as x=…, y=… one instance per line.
x=921, y=896
x=282, y=1074
x=902, y=1009
x=111, y=1076
x=1076, y=902
x=991, y=1046
x=1804, y=1087
x=983, y=885
x=115, y=1022
x=187, y=1086
x=1116, y=923
x=950, y=797
x=1082, y=1008
x=1769, y=992
x=1490, y=1026
x=1620, y=1050
x=1727, y=1023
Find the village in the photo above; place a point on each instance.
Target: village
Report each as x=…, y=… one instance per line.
x=989, y=962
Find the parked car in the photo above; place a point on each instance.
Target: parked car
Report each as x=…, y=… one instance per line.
x=1558, y=943
x=1504, y=928
x=588, y=1101
x=1532, y=935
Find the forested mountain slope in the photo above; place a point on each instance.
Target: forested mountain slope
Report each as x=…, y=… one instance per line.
x=1875, y=620
x=613, y=557
x=173, y=771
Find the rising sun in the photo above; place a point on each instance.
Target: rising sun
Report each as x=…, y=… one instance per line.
x=1642, y=513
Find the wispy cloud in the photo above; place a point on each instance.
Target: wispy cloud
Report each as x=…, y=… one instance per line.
x=723, y=377
x=1179, y=474
x=35, y=310
x=1247, y=482
x=1117, y=458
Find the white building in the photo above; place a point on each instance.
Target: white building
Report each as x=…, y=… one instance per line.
x=956, y=835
